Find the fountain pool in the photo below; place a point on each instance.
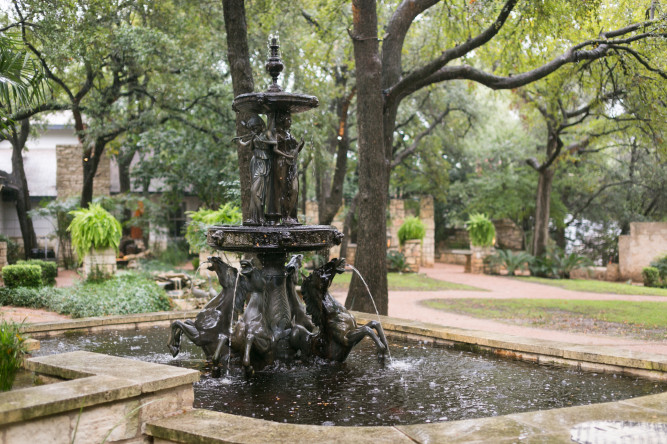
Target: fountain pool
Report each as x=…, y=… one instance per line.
x=423, y=384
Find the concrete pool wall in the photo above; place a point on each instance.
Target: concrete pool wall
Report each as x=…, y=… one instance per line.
x=138, y=402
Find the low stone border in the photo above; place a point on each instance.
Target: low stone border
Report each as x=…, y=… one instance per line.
x=114, y=393
x=100, y=397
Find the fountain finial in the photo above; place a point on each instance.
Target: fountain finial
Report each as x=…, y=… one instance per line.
x=274, y=65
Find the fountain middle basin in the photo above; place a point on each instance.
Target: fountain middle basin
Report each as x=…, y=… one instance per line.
x=424, y=383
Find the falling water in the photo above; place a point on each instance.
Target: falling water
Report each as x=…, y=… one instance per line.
x=231, y=321
x=377, y=313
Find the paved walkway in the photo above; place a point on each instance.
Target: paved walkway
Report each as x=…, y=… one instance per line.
x=406, y=305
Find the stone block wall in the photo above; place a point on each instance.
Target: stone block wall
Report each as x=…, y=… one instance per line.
x=508, y=235
x=69, y=173
x=396, y=217
x=646, y=241
x=3, y=254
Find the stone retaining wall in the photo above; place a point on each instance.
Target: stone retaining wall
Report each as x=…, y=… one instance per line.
x=646, y=241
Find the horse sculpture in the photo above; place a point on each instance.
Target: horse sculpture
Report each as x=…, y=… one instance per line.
x=210, y=330
x=253, y=332
x=338, y=330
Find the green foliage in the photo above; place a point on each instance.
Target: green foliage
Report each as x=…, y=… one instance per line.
x=396, y=262
x=22, y=276
x=481, y=230
x=651, y=277
x=510, y=260
x=661, y=264
x=12, y=350
x=175, y=254
x=94, y=227
x=557, y=264
x=49, y=270
x=412, y=228
x=204, y=218
x=13, y=249
x=592, y=286
x=59, y=211
x=125, y=293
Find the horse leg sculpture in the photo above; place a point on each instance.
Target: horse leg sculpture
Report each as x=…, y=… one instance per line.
x=178, y=328
x=355, y=336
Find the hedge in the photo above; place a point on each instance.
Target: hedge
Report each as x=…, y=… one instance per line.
x=49, y=270
x=22, y=276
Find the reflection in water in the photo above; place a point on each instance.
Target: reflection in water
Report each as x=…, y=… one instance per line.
x=422, y=384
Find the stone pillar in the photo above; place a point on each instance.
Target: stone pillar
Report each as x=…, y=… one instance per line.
x=477, y=258
x=351, y=253
x=3, y=254
x=412, y=250
x=396, y=219
x=69, y=173
x=100, y=262
x=426, y=214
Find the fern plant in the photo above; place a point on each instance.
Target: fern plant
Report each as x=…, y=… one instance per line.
x=203, y=218
x=481, y=230
x=94, y=227
x=412, y=228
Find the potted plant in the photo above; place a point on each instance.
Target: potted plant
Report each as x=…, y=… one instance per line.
x=410, y=236
x=482, y=238
x=198, y=226
x=95, y=237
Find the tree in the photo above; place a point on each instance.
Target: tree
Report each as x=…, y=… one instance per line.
x=481, y=41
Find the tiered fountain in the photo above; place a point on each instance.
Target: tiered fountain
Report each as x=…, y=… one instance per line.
x=273, y=324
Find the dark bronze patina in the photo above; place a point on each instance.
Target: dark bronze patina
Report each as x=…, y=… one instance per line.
x=259, y=315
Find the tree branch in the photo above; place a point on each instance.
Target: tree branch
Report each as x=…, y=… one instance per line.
x=402, y=155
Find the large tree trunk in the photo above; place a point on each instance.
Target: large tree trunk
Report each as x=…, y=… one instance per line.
x=238, y=57
x=541, y=233
x=18, y=140
x=371, y=259
x=91, y=160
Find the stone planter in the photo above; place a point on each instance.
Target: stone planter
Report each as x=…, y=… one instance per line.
x=477, y=258
x=412, y=250
x=101, y=262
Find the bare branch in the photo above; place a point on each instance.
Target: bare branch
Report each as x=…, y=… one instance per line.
x=402, y=155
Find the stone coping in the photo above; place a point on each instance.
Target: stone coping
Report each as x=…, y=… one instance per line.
x=90, y=379
x=556, y=425
x=596, y=358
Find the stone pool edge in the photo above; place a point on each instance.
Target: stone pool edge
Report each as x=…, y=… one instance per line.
x=174, y=421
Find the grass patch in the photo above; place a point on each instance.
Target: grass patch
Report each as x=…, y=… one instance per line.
x=643, y=320
x=597, y=286
x=406, y=282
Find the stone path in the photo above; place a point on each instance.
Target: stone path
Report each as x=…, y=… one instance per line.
x=406, y=305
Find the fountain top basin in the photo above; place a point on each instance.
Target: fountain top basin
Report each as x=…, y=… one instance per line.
x=273, y=239
x=270, y=102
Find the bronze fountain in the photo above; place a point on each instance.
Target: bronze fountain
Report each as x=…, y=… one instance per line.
x=259, y=315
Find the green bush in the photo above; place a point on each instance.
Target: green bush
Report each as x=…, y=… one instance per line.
x=125, y=293
x=12, y=349
x=13, y=249
x=396, y=262
x=94, y=227
x=651, y=277
x=556, y=264
x=203, y=218
x=22, y=276
x=510, y=260
x=661, y=264
x=412, y=228
x=481, y=230
x=175, y=254
x=49, y=270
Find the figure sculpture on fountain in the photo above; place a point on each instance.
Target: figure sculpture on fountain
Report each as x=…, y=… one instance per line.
x=260, y=168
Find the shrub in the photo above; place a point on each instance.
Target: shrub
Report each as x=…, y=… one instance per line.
x=510, y=260
x=126, y=293
x=49, y=270
x=22, y=276
x=13, y=249
x=556, y=264
x=94, y=227
x=203, y=218
x=412, y=228
x=651, y=277
x=12, y=349
x=661, y=264
x=396, y=262
x=175, y=254
x=481, y=230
